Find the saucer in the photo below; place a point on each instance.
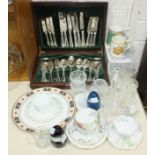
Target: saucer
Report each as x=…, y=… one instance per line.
x=124, y=139
x=86, y=141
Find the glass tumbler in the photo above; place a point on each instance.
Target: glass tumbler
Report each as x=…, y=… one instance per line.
x=41, y=137
x=78, y=81
x=101, y=86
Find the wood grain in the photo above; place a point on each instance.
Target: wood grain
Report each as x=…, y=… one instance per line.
x=13, y=34
x=19, y=74
x=26, y=32
x=11, y=10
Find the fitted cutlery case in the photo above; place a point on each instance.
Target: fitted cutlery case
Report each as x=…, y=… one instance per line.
x=70, y=37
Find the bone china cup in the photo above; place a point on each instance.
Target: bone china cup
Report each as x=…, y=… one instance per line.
x=116, y=30
x=86, y=120
x=119, y=45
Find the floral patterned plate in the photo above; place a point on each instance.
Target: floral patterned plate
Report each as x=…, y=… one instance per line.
x=86, y=141
x=43, y=107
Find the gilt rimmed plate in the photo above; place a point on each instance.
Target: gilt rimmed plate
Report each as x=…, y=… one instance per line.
x=43, y=107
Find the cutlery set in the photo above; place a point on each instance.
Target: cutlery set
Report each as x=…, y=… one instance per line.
x=72, y=30
x=48, y=30
x=58, y=70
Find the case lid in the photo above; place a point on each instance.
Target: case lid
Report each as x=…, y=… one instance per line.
x=69, y=1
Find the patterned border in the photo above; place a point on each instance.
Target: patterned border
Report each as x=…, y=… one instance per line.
x=20, y=102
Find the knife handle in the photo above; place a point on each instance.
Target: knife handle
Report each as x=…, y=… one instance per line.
x=62, y=39
x=70, y=38
x=75, y=39
x=88, y=38
x=79, y=39
x=47, y=39
x=83, y=38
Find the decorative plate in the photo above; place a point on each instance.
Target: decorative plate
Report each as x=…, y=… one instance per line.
x=122, y=141
x=87, y=141
x=43, y=107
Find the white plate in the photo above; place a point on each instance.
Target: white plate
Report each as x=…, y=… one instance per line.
x=124, y=142
x=87, y=141
x=43, y=107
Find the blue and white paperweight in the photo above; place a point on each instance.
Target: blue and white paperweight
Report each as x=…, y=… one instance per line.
x=93, y=100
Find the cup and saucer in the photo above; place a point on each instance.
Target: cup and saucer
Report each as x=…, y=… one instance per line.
x=85, y=130
x=125, y=133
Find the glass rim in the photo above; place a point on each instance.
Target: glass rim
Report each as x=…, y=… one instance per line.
x=78, y=71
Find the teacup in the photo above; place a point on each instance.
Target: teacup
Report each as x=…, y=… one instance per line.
x=116, y=30
x=126, y=125
x=119, y=45
x=86, y=120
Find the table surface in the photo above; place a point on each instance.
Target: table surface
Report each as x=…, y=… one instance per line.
x=20, y=144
